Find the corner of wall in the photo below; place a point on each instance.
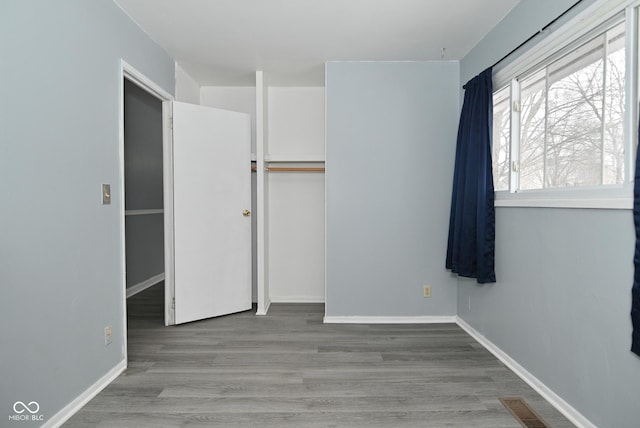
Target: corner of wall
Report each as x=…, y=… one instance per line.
x=186, y=89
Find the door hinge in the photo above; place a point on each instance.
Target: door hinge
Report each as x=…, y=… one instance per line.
x=171, y=122
x=173, y=303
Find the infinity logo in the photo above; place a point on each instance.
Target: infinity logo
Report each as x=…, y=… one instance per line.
x=28, y=407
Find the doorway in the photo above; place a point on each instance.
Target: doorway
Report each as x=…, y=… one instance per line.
x=144, y=213
x=143, y=189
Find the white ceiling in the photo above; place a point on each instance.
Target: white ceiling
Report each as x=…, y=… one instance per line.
x=223, y=42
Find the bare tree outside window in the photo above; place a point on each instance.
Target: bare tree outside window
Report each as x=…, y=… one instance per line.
x=532, y=131
x=501, y=139
x=614, y=152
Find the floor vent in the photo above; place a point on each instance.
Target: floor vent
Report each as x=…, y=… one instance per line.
x=523, y=413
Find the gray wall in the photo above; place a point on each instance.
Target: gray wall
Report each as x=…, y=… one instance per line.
x=391, y=131
x=60, y=249
x=142, y=149
x=143, y=184
x=145, y=247
x=561, y=305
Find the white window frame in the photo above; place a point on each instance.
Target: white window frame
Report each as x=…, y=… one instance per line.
x=575, y=30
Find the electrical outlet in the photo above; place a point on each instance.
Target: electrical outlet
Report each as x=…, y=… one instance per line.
x=108, y=335
x=427, y=291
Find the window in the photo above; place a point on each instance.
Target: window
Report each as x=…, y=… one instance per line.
x=560, y=125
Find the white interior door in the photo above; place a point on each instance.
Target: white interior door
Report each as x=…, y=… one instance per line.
x=211, y=199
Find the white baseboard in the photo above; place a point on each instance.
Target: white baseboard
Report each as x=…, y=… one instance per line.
x=390, y=320
x=266, y=308
x=554, y=399
x=141, y=286
x=70, y=409
x=297, y=299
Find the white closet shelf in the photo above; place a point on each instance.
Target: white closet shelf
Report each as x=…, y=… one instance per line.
x=143, y=212
x=293, y=159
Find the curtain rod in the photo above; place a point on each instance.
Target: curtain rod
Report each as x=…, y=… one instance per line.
x=536, y=34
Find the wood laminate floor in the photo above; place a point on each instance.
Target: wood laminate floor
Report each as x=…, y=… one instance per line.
x=288, y=369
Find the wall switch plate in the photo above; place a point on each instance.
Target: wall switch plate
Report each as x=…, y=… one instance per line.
x=106, y=194
x=108, y=335
x=427, y=291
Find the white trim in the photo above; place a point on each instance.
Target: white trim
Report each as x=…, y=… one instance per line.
x=72, y=408
x=631, y=94
x=615, y=196
x=134, y=76
x=445, y=319
x=262, y=311
x=326, y=68
x=297, y=299
x=121, y=199
x=169, y=238
x=141, y=286
x=143, y=212
x=262, y=263
x=611, y=204
x=554, y=399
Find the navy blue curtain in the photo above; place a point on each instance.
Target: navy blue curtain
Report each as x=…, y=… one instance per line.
x=635, y=291
x=471, y=247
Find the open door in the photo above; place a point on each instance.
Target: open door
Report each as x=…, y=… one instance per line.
x=211, y=189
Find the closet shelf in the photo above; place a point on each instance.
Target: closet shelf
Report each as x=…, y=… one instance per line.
x=294, y=159
x=290, y=169
x=294, y=169
x=143, y=212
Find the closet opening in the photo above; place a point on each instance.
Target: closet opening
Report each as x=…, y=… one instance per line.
x=143, y=189
x=142, y=196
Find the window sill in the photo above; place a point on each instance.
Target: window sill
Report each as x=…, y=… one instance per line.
x=612, y=199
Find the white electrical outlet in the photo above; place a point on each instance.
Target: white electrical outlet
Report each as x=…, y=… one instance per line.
x=427, y=291
x=108, y=335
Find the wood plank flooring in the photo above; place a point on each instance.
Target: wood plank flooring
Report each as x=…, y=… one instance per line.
x=288, y=369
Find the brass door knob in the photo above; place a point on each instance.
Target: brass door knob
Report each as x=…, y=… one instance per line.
x=246, y=213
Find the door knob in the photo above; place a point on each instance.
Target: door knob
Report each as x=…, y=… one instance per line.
x=246, y=213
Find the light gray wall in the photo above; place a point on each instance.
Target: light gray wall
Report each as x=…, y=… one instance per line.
x=143, y=184
x=391, y=132
x=60, y=249
x=561, y=305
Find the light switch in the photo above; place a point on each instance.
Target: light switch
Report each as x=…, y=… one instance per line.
x=106, y=194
